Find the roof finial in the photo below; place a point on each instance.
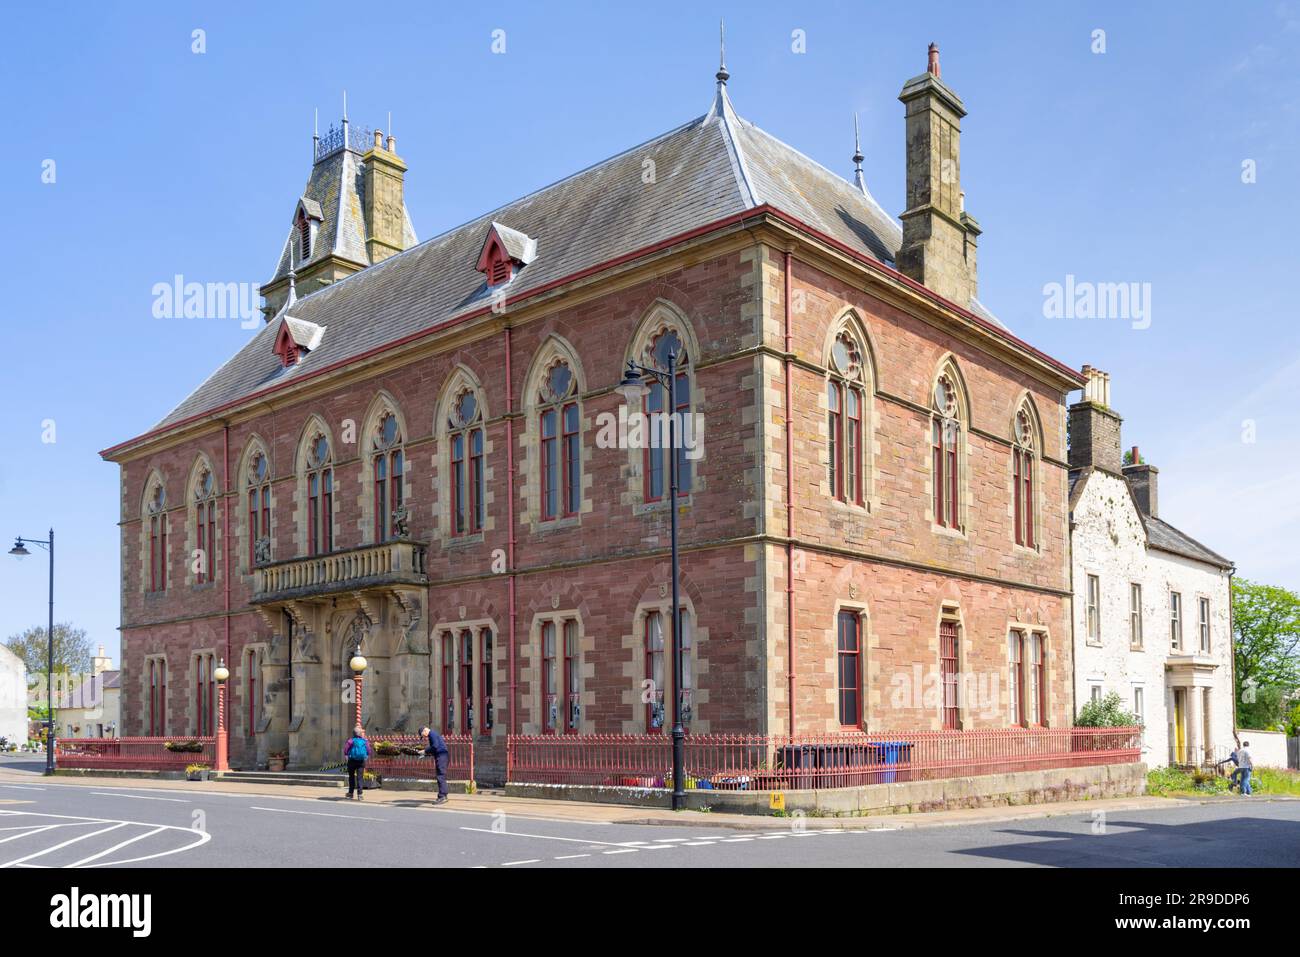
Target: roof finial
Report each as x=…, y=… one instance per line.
x=858, y=181
x=722, y=73
x=315, y=133
x=293, y=290
x=345, y=105
x=932, y=66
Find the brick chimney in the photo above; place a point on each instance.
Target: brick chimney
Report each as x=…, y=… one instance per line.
x=383, y=199
x=1142, y=480
x=1095, y=427
x=939, y=236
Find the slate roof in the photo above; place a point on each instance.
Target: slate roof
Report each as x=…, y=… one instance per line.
x=705, y=170
x=1162, y=535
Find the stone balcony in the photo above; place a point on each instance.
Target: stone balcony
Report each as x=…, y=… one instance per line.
x=387, y=564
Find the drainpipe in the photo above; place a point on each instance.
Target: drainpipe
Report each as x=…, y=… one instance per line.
x=789, y=506
x=225, y=551
x=513, y=726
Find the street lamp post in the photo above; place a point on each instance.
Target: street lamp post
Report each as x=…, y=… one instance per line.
x=20, y=551
x=633, y=388
x=358, y=666
x=222, y=674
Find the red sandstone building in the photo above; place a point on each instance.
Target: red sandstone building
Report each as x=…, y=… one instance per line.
x=413, y=455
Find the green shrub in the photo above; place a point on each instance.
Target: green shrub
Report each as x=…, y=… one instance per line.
x=1106, y=712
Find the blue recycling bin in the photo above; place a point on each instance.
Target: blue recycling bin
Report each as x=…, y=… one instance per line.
x=891, y=753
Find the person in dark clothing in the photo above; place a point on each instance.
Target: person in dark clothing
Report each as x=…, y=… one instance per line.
x=437, y=750
x=356, y=751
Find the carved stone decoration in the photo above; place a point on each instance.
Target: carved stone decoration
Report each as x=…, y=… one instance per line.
x=555, y=602
x=401, y=521
x=262, y=551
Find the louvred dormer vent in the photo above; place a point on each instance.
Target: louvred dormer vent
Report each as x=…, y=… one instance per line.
x=296, y=338
x=505, y=251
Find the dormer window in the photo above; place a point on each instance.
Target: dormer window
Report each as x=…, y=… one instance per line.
x=305, y=223
x=505, y=251
x=295, y=339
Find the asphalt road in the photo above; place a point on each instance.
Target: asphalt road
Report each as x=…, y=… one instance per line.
x=46, y=823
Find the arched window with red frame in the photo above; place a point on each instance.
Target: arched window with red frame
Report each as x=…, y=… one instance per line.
x=466, y=681
x=945, y=442
x=559, y=424
x=157, y=518
x=846, y=403
x=487, y=718
x=572, y=678
x=654, y=671
x=1024, y=464
x=320, y=497
x=468, y=474
x=258, y=482
x=849, y=654
x=448, y=683
x=655, y=406
x=550, y=691
x=205, y=525
x=388, y=467
x=253, y=688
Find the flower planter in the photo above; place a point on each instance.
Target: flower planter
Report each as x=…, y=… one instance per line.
x=275, y=764
x=196, y=775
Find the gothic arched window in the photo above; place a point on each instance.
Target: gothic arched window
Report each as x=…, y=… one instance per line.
x=388, y=469
x=259, y=503
x=559, y=422
x=468, y=475
x=666, y=343
x=205, y=524
x=1023, y=465
x=945, y=441
x=846, y=405
x=156, y=510
x=320, y=497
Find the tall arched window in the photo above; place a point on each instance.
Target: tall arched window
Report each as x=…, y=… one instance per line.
x=388, y=469
x=559, y=422
x=320, y=497
x=1023, y=466
x=205, y=524
x=945, y=441
x=259, y=503
x=157, y=696
x=253, y=689
x=846, y=405
x=658, y=668
x=656, y=401
x=157, y=517
x=468, y=475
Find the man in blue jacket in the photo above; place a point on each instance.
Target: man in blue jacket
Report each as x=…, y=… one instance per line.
x=437, y=750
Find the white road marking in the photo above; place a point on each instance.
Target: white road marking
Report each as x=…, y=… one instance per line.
x=130, y=840
x=531, y=860
x=545, y=837
x=140, y=797
x=669, y=840
x=285, y=810
x=30, y=829
x=21, y=787
x=570, y=857
x=699, y=843
x=771, y=837
x=735, y=840
x=200, y=837
x=56, y=847
x=622, y=850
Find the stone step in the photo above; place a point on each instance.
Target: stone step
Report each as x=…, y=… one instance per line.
x=300, y=778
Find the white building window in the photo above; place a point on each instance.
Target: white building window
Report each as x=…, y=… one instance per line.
x=1205, y=626
x=1139, y=704
x=1176, y=621
x=1094, y=610
x=1135, y=615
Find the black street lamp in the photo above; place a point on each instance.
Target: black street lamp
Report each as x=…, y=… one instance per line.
x=20, y=551
x=633, y=387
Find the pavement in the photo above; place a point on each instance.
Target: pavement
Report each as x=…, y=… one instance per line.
x=124, y=822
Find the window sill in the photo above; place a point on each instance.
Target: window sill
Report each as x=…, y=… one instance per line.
x=555, y=524
x=948, y=532
x=1034, y=551
x=463, y=541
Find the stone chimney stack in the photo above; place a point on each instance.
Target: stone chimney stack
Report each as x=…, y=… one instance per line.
x=383, y=199
x=1142, y=480
x=939, y=236
x=1095, y=427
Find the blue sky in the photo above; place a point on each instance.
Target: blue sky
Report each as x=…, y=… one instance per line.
x=1122, y=166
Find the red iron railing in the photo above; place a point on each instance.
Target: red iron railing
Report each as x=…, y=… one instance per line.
x=739, y=762
x=127, y=754
x=410, y=763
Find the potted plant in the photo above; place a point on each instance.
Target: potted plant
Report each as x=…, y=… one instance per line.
x=276, y=760
x=197, y=772
x=184, y=747
x=370, y=780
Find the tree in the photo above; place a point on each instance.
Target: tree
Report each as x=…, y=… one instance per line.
x=71, y=649
x=1105, y=712
x=1266, y=627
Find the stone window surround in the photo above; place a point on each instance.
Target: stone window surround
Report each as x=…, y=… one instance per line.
x=531, y=670
x=947, y=366
x=314, y=425
x=459, y=379
x=438, y=694
x=382, y=405
x=634, y=662
x=950, y=610
x=553, y=349
x=1090, y=573
x=1044, y=633
x=866, y=664
x=851, y=323
x=252, y=446
x=201, y=464
x=145, y=698
x=154, y=480
x=1025, y=404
